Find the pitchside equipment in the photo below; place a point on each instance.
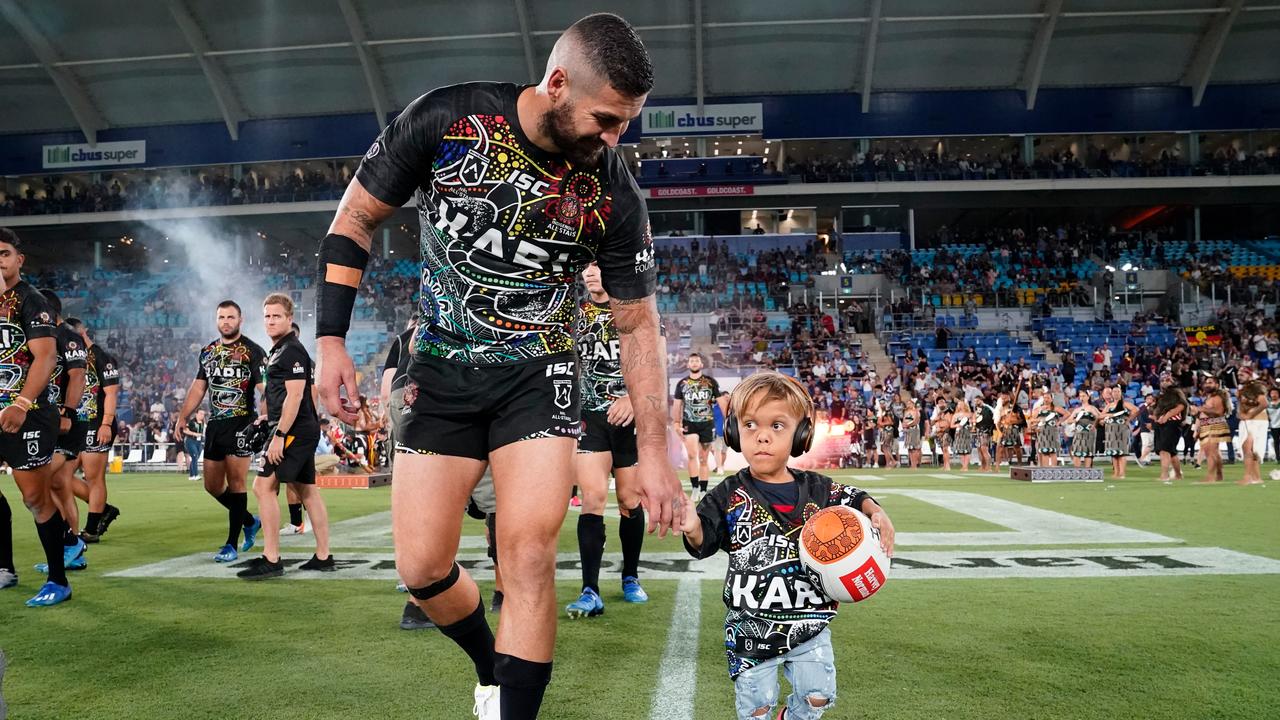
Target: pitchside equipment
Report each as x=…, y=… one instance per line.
x=1056, y=474
x=841, y=551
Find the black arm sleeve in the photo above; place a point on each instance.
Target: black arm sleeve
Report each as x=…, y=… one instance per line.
x=37, y=318
x=399, y=161
x=626, y=259
x=73, y=355
x=108, y=369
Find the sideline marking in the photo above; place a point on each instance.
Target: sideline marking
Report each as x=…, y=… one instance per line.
x=678, y=673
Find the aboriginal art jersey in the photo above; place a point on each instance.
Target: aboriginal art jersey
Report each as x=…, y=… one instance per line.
x=101, y=371
x=72, y=355
x=772, y=604
x=698, y=397
x=232, y=371
x=506, y=226
x=24, y=316
x=600, y=357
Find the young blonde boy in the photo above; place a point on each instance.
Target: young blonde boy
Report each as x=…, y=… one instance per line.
x=776, y=618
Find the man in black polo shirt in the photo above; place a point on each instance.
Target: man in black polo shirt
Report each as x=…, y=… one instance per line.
x=291, y=451
x=230, y=371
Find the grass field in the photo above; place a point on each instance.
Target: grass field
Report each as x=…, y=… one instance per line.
x=1148, y=646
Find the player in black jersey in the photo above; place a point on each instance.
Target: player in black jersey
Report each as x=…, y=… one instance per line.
x=97, y=415
x=692, y=413
x=517, y=189
x=65, y=390
x=607, y=444
x=291, y=453
x=230, y=371
x=28, y=421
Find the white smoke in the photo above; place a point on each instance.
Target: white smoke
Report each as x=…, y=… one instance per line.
x=209, y=262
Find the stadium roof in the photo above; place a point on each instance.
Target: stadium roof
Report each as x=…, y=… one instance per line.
x=96, y=64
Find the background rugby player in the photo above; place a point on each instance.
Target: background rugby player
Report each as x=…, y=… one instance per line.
x=692, y=413
x=608, y=443
x=28, y=421
x=97, y=413
x=230, y=371
x=65, y=390
x=517, y=189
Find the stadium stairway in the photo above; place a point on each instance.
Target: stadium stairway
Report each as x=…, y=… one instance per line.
x=1040, y=346
x=876, y=355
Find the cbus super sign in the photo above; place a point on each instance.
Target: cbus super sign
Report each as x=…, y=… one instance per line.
x=131, y=152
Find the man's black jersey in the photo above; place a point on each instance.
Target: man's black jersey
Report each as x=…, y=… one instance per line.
x=101, y=371
x=506, y=226
x=289, y=361
x=72, y=355
x=24, y=315
x=600, y=358
x=232, y=371
x=398, y=358
x=698, y=397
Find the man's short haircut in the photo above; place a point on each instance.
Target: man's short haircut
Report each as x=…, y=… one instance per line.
x=7, y=235
x=75, y=323
x=282, y=300
x=693, y=355
x=765, y=386
x=231, y=304
x=613, y=50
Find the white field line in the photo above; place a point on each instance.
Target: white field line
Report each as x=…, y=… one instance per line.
x=678, y=673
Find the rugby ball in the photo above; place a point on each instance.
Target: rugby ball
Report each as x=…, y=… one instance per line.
x=841, y=552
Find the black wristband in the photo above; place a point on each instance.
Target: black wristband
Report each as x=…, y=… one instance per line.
x=68, y=412
x=341, y=266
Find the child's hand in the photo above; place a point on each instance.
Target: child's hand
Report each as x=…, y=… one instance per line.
x=691, y=524
x=880, y=521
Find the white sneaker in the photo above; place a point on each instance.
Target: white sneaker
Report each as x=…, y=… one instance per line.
x=291, y=529
x=487, y=706
x=7, y=579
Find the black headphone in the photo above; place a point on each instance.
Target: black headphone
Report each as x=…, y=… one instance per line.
x=800, y=442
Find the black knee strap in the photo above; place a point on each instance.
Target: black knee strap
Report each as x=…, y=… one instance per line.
x=435, y=588
x=518, y=672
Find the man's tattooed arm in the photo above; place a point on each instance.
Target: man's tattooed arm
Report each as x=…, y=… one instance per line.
x=644, y=367
x=359, y=215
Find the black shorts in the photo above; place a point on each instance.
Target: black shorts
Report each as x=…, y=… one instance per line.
x=75, y=440
x=465, y=411
x=1167, y=437
x=600, y=435
x=298, y=464
x=220, y=438
x=91, y=444
x=706, y=431
x=32, y=446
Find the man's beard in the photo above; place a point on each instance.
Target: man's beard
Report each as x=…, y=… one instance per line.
x=557, y=124
x=230, y=335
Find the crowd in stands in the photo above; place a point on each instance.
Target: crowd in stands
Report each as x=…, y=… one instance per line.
x=908, y=162
x=151, y=189
x=707, y=275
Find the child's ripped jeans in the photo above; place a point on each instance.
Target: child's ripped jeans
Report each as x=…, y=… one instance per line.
x=811, y=670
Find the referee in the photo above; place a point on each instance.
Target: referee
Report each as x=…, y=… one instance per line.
x=291, y=452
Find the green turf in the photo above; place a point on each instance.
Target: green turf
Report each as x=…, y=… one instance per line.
x=1145, y=647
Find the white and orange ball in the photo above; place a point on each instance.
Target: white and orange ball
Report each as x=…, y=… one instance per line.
x=841, y=551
